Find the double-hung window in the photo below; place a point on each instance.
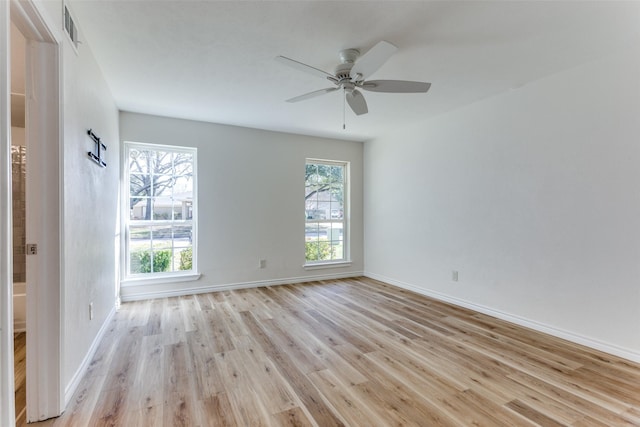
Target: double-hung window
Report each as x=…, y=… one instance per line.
x=160, y=225
x=326, y=212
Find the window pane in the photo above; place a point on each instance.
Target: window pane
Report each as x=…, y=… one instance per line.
x=183, y=249
x=310, y=191
x=183, y=186
x=317, y=250
x=323, y=231
x=183, y=259
x=139, y=185
x=162, y=208
x=140, y=208
x=162, y=185
x=334, y=232
x=136, y=261
x=140, y=237
x=324, y=195
x=311, y=174
x=182, y=235
x=314, y=212
x=183, y=164
x=162, y=162
x=162, y=246
x=337, y=174
x=337, y=251
x=139, y=248
x=139, y=161
x=311, y=232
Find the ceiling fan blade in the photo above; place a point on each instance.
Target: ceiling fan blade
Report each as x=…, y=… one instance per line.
x=369, y=63
x=312, y=94
x=303, y=67
x=357, y=103
x=395, y=86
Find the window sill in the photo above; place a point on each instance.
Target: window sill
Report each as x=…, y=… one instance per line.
x=160, y=279
x=322, y=265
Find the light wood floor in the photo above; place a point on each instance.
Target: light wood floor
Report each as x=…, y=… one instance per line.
x=348, y=352
x=20, y=374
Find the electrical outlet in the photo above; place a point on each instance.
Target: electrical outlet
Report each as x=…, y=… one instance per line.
x=454, y=275
x=263, y=263
x=90, y=311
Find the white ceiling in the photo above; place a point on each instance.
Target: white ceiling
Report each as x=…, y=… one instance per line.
x=214, y=61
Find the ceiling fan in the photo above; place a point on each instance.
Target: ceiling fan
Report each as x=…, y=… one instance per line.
x=351, y=74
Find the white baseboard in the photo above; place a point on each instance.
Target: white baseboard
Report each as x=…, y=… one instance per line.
x=129, y=293
x=19, y=326
x=71, y=388
x=613, y=349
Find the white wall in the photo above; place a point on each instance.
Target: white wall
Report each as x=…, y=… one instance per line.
x=18, y=49
x=17, y=136
x=533, y=196
x=91, y=194
x=250, y=200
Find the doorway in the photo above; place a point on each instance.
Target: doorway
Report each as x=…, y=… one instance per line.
x=19, y=229
x=42, y=139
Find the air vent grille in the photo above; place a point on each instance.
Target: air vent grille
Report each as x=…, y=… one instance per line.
x=70, y=27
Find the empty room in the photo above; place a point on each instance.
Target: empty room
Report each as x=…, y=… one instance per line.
x=319, y=213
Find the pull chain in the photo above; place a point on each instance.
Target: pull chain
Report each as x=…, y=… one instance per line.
x=344, y=99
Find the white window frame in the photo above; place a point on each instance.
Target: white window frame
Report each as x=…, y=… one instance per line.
x=345, y=261
x=161, y=277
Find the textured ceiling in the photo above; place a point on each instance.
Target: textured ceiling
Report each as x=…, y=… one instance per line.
x=214, y=61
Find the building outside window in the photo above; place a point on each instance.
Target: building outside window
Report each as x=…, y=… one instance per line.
x=160, y=224
x=326, y=211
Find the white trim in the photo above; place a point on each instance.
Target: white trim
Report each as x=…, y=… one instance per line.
x=321, y=265
x=125, y=277
x=80, y=372
x=138, y=281
x=44, y=176
x=137, y=296
x=609, y=348
x=346, y=212
x=44, y=358
x=20, y=326
x=7, y=399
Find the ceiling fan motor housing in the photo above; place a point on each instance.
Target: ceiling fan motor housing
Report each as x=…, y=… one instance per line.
x=348, y=58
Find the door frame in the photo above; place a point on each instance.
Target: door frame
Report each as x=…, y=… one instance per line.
x=45, y=391
x=7, y=404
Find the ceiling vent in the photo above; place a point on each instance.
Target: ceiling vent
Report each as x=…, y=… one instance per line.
x=70, y=27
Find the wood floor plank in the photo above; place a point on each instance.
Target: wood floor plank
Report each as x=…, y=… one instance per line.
x=351, y=352
x=148, y=387
x=154, y=322
x=20, y=375
x=217, y=411
x=531, y=414
x=294, y=417
x=338, y=396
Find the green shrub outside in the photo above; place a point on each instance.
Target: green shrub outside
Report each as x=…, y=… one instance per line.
x=186, y=259
x=318, y=250
x=161, y=261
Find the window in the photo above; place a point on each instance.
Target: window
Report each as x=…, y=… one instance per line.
x=161, y=220
x=325, y=210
